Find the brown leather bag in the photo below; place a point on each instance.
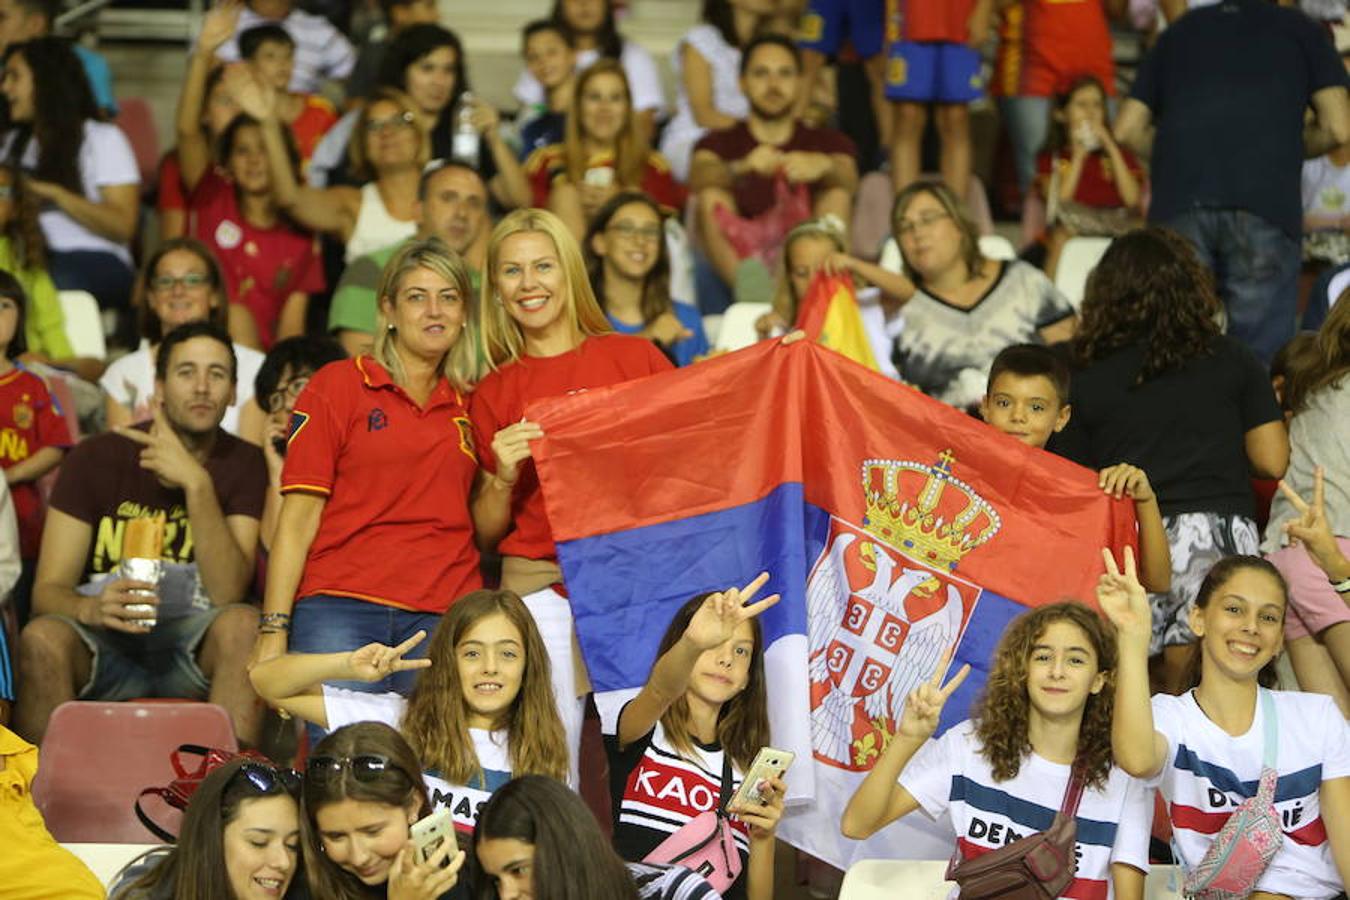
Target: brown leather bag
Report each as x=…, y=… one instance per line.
x=1037, y=867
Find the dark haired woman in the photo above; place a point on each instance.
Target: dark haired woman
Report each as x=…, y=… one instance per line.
x=1046, y=706
x=240, y=840
x=270, y=266
x=629, y=266
x=1156, y=384
x=537, y=839
x=594, y=34
x=82, y=167
x=1207, y=748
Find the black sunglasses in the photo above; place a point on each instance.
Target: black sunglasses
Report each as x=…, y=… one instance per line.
x=367, y=767
x=266, y=779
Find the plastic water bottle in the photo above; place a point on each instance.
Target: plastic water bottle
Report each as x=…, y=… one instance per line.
x=467, y=140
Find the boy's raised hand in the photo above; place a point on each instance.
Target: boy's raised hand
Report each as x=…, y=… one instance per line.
x=714, y=623
x=924, y=705
x=376, y=661
x=219, y=25
x=1123, y=598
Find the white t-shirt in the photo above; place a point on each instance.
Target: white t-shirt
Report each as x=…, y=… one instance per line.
x=343, y=707
x=131, y=382
x=950, y=775
x=106, y=159
x=1326, y=187
x=644, y=82
x=1209, y=772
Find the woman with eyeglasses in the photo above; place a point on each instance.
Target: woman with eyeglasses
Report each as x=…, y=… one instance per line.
x=629, y=268
x=388, y=150
x=240, y=840
x=536, y=839
x=374, y=541
x=960, y=309
x=363, y=791
x=181, y=283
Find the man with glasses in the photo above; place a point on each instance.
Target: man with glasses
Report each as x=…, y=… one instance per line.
x=101, y=635
x=736, y=169
x=452, y=204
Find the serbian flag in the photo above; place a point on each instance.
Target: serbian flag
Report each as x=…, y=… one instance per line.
x=829, y=314
x=893, y=526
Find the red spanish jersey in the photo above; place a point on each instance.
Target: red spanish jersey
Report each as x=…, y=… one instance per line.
x=1043, y=45
x=929, y=20
x=547, y=165
x=500, y=400
x=29, y=421
x=396, y=528
x=1097, y=182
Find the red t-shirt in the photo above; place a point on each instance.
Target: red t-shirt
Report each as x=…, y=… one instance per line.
x=754, y=193
x=547, y=165
x=29, y=421
x=500, y=400
x=1097, y=182
x=1045, y=44
x=929, y=20
x=316, y=117
x=262, y=266
x=170, y=193
x=396, y=528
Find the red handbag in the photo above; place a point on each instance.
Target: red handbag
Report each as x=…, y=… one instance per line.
x=178, y=793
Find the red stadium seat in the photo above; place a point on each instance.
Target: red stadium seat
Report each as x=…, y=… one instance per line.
x=97, y=757
x=138, y=124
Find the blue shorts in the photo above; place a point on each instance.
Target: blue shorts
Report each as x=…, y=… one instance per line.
x=933, y=73
x=160, y=663
x=826, y=22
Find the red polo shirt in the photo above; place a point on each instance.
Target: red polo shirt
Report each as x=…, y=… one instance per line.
x=396, y=528
x=500, y=400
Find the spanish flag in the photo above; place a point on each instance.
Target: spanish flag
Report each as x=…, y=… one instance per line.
x=829, y=315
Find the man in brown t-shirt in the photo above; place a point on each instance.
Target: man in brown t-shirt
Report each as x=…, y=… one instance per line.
x=99, y=636
x=736, y=167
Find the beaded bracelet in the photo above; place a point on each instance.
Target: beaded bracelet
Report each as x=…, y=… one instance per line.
x=274, y=622
x=1341, y=587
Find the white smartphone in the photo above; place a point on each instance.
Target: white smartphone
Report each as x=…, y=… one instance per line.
x=769, y=763
x=429, y=833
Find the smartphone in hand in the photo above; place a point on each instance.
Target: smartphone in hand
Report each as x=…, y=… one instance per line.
x=769, y=763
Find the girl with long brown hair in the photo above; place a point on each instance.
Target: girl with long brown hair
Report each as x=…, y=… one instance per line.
x=481, y=709
x=603, y=153
x=1045, y=712
x=1157, y=384
x=362, y=795
x=701, y=717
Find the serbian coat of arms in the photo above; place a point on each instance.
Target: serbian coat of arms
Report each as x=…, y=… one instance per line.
x=883, y=602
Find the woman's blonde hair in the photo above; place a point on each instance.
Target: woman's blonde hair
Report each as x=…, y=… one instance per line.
x=460, y=365
x=953, y=207
x=1002, y=715
x=502, y=340
x=785, y=300
x=630, y=149
x=362, y=168
x=436, y=721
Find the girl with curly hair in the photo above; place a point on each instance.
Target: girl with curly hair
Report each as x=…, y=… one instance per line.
x=481, y=709
x=1206, y=749
x=1158, y=386
x=1046, y=708
x=698, y=722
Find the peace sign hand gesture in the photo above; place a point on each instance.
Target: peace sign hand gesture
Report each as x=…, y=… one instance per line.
x=164, y=453
x=924, y=705
x=1311, y=528
x=1123, y=598
x=715, y=621
x=374, y=662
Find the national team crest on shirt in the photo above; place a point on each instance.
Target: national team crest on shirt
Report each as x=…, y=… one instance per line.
x=22, y=415
x=883, y=602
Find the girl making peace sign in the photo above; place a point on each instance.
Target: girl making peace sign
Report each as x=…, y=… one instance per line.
x=1001, y=774
x=703, y=711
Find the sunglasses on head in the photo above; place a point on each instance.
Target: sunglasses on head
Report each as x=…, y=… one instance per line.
x=367, y=767
x=266, y=779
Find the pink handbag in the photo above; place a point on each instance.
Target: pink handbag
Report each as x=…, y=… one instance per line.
x=706, y=843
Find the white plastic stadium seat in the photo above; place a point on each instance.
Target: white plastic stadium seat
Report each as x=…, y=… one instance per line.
x=888, y=879
x=84, y=323
x=1076, y=262
x=997, y=247
x=738, y=325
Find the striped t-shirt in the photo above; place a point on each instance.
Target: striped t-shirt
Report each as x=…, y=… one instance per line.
x=950, y=775
x=1209, y=772
x=662, y=882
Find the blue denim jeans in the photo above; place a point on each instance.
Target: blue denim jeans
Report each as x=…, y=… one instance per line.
x=1028, y=122
x=322, y=623
x=1256, y=268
